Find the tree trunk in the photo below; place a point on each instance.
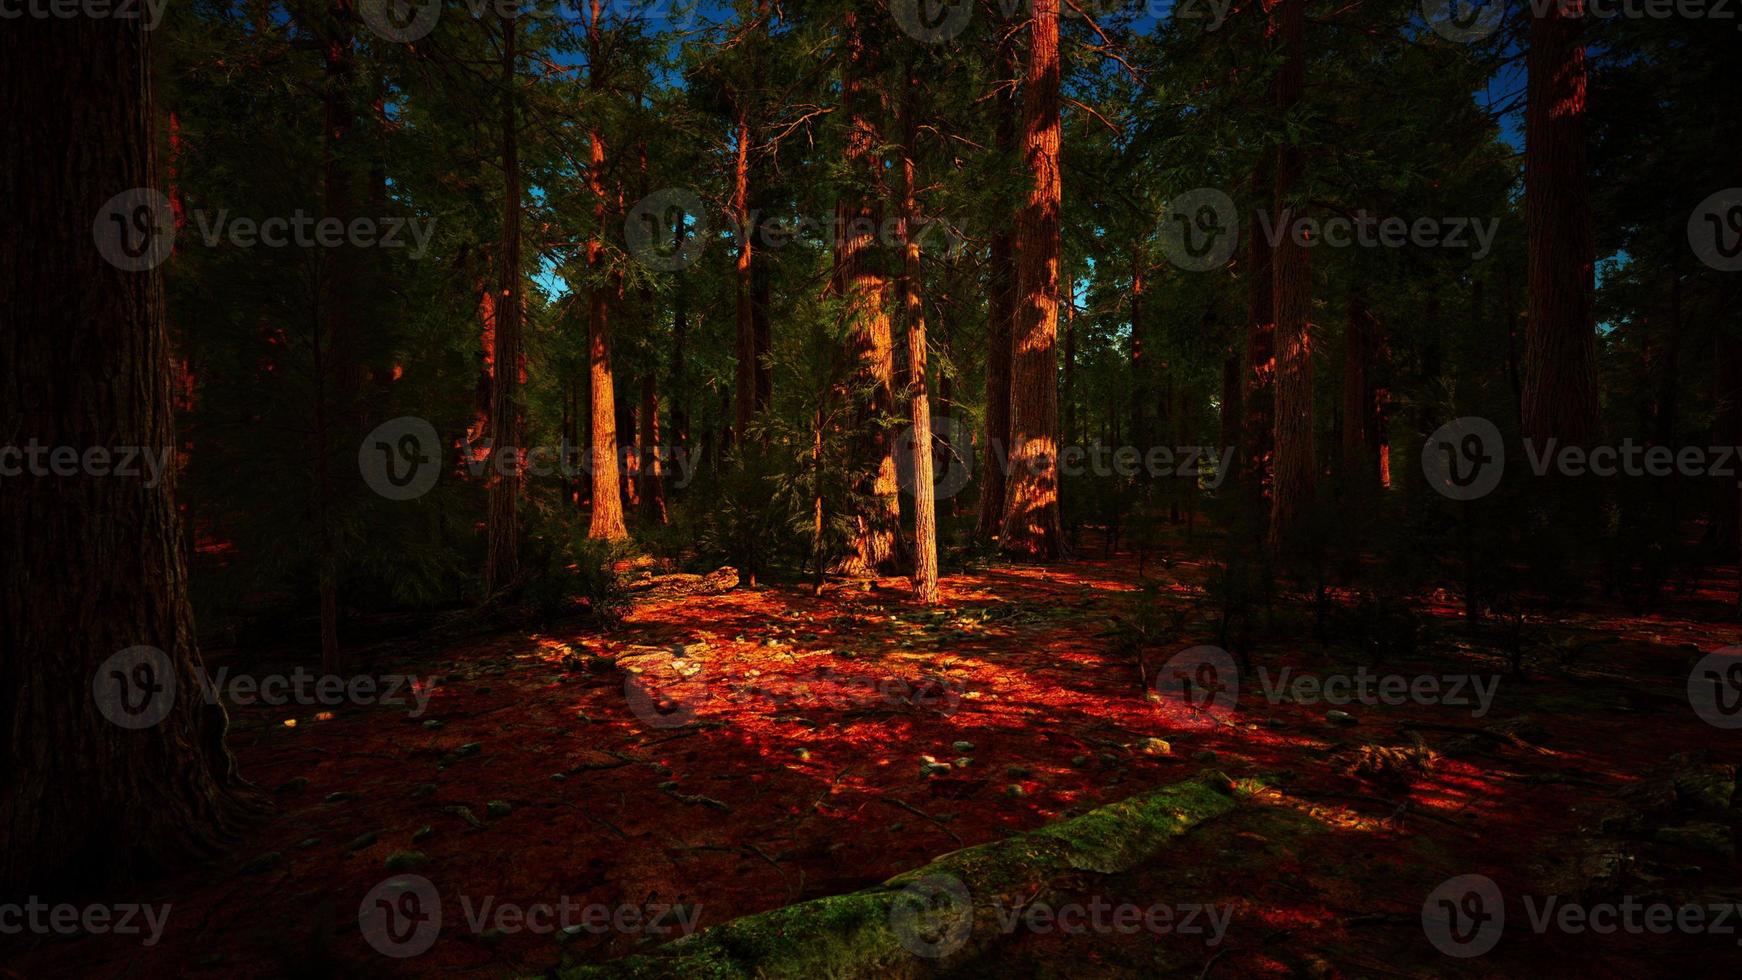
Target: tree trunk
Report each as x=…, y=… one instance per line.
x=1294, y=468
x=1031, y=501
x=137, y=778
x=1560, y=344
x=606, y=523
x=862, y=282
x=745, y=345
x=925, y=524
x=502, y=559
x=1361, y=418
x=652, y=466
x=1259, y=396
x=1142, y=391
x=1001, y=319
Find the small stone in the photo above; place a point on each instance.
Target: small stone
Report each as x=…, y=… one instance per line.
x=934, y=768
x=1340, y=717
x=362, y=840
x=407, y=860
x=340, y=797
x=422, y=833
x=1153, y=746
x=964, y=762
x=557, y=777
x=470, y=748
x=1079, y=761
x=1017, y=772
x=498, y=808
x=1015, y=790
x=804, y=754
x=962, y=746
x=433, y=724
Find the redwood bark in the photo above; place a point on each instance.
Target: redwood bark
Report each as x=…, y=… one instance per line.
x=1294, y=468
x=1031, y=501
x=606, y=522
x=862, y=282
x=1362, y=397
x=652, y=465
x=1560, y=348
x=925, y=525
x=95, y=564
x=1000, y=320
x=502, y=555
x=746, y=352
x=1258, y=383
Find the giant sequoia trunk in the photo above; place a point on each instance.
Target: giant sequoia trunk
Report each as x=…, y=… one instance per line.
x=502, y=558
x=747, y=354
x=652, y=462
x=1258, y=392
x=1031, y=500
x=606, y=522
x=108, y=767
x=1560, y=348
x=925, y=523
x=1294, y=468
x=1000, y=319
x=863, y=284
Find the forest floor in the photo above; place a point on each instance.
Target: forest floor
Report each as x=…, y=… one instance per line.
x=796, y=760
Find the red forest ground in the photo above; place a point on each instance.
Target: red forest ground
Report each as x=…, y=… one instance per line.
x=798, y=776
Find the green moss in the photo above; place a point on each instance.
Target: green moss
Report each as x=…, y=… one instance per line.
x=851, y=935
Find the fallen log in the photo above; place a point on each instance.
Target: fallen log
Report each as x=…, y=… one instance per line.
x=940, y=916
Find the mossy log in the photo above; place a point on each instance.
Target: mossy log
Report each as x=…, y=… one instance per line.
x=940, y=916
